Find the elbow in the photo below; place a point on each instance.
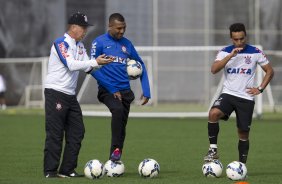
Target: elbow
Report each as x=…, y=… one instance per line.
x=272, y=74
x=213, y=71
x=71, y=69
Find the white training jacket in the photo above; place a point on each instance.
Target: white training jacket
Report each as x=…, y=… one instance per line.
x=67, y=57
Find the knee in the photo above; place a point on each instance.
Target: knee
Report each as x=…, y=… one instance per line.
x=215, y=114
x=82, y=131
x=79, y=131
x=117, y=110
x=243, y=135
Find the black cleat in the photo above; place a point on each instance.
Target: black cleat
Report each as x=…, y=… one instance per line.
x=71, y=175
x=52, y=175
x=211, y=155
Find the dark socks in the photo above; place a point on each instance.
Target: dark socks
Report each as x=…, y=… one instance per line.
x=243, y=147
x=213, y=129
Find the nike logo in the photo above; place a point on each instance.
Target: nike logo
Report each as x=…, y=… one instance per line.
x=107, y=47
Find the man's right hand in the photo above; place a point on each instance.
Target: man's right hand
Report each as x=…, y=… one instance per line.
x=118, y=95
x=235, y=51
x=102, y=59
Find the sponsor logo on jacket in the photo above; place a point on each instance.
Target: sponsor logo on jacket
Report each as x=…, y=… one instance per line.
x=120, y=60
x=63, y=50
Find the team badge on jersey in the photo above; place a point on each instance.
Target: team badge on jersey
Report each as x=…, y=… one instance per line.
x=124, y=50
x=248, y=59
x=80, y=50
x=59, y=106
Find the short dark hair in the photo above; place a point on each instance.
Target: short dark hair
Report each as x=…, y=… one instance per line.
x=237, y=27
x=116, y=16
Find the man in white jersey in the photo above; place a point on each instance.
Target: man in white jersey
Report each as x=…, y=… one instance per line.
x=239, y=62
x=62, y=111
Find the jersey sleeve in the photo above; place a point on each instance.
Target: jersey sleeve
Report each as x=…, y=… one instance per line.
x=97, y=50
x=262, y=59
x=90, y=69
x=220, y=55
x=144, y=77
x=67, y=58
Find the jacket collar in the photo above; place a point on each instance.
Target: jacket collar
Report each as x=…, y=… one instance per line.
x=70, y=39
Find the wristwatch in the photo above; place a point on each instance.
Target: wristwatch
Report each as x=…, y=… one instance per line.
x=260, y=89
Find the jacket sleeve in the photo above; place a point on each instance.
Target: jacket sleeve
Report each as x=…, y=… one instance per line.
x=144, y=77
x=97, y=50
x=67, y=58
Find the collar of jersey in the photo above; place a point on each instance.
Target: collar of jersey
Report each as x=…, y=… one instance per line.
x=112, y=38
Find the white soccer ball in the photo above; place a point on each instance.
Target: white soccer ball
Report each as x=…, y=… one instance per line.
x=149, y=168
x=236, y=171
x=114, y=169
x=212, y=169
x=134, y=69
x=94, y=169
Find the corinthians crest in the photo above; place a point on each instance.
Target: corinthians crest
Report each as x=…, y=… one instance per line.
x=248, y=59
x=59, y=106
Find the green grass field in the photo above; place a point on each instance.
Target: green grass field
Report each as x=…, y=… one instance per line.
x=177, y=144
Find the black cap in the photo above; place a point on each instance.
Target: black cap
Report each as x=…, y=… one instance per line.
x=79, y=19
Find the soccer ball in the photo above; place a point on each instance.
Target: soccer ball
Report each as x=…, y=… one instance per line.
x=134, y=69
x=114, y=169
x=212, y=169
x=236, y=171
x=94, y=169
x=149, y=168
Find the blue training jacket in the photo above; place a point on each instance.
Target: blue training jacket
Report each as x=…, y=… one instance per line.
x=113, y=76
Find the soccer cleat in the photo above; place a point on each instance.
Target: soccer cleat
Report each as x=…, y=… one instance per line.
x=116, y=155
x=52, y=175
x=211, y=155
x=71, y=175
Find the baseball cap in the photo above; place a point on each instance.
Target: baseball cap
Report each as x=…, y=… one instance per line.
x=79, y=19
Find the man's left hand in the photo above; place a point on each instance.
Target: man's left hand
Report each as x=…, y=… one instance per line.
x=253, y=91
x=144, y=100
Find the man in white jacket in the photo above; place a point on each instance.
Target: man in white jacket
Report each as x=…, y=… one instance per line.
x=62, y=110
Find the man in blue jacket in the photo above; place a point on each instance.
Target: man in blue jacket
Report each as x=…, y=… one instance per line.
x=113, y=81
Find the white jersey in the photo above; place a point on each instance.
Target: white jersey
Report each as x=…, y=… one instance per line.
x=66, y=58
x=240, y=70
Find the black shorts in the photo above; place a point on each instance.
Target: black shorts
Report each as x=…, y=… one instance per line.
x=243, y=109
